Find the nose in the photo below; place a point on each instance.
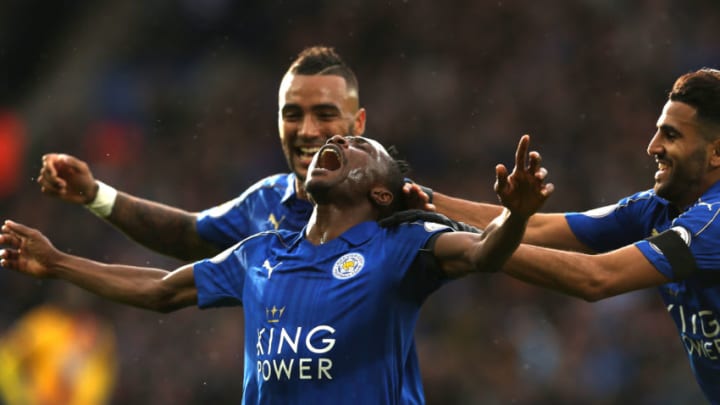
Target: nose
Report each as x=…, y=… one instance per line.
x=309, y=126
x=338, y=140
x=655, y=146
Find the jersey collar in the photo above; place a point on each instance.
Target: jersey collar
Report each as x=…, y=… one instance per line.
x=290, y=189
x=354, y=236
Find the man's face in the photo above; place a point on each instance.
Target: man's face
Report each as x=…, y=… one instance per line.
x=682, y=155
x=313, y=108
x=347, y=168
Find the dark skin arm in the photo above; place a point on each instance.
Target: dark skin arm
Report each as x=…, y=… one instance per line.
x=30, y=252
x=162, y=228
x=522, y=193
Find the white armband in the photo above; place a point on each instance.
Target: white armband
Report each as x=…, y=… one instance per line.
x=104, y=200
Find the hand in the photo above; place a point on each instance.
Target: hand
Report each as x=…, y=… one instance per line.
x=67, y=178
x=29, y=251
x=524, y=191
x=416, y=197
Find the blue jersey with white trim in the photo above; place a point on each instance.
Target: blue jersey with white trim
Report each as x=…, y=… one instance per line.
x=327, y=324
x=269, y=204
x=694, y=302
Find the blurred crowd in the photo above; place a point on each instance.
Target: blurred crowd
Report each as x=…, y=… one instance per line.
x=177, y=102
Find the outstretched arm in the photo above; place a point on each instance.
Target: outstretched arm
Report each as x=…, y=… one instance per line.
x=30, y=252
x=590, y=277
x=522, y=193
x=162, y=228
x=549, y=230
x=543, y=229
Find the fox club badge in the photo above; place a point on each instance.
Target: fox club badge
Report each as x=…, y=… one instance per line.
x=348, y=265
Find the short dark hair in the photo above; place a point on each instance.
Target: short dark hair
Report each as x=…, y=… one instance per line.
x=700, y=90
x=323, y=60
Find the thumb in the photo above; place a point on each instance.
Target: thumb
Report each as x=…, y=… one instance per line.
x=501, y=175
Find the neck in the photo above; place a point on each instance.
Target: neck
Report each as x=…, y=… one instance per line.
x=327, y=222
x=300, y=189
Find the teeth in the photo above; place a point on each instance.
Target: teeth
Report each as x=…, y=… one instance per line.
x=662, y=166
x=309, y=150
x=333, y=151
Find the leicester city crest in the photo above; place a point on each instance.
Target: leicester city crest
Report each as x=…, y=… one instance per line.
x=348, y=265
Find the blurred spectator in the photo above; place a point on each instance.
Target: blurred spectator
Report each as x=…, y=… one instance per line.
x=58, y=355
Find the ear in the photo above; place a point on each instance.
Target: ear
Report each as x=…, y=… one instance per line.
x=359, y=123
x=381, y=196
x=715, y=153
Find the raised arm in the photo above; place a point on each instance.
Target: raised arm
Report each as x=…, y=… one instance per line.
x=522, y=193
x=30, y=252
x=162, y=228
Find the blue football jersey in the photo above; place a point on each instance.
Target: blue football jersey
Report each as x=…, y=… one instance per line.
x=269, y=204
x=327, y=324
x=693, y=302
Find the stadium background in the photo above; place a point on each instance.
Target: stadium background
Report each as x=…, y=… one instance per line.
x=177, y=102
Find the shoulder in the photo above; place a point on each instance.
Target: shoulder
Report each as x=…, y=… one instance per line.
x=639, y=202
x=701, y=218
x=279, y=182
x=420, y=231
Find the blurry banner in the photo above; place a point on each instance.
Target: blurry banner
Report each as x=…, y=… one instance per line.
x=53, y=356
x=12, y=150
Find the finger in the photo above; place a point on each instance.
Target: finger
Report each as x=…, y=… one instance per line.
x=9, y=254
x=10, y=240
x=534, y=161
x=547, y=190
x=16, y=228
x=501, y=175
x=70, y=162
x=9, y=263
x=407, y=188
x=50, y=185
x=49, y=176
x=521, y=152
x=541, y=174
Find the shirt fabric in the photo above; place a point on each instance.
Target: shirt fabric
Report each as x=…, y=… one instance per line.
x=692, y=302
x=270, y=204
x=327, y=324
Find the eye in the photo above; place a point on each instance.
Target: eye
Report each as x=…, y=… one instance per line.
x=291, y=114
x=327, y=114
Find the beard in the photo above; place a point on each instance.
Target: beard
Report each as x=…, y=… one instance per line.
x=684, y=180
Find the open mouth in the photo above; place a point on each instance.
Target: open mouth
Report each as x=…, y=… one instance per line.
x=329, y=159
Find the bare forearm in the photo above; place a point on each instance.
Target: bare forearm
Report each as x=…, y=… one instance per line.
x=549, y=230
x=162, y=228
x=471, y=212
x=137, y=286
x=565, y=272
x=501, y=239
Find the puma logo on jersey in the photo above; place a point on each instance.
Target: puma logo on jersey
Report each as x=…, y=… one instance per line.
x=266, y=265
x=275, y=222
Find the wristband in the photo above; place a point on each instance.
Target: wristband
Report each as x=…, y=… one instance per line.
x=104, y=200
